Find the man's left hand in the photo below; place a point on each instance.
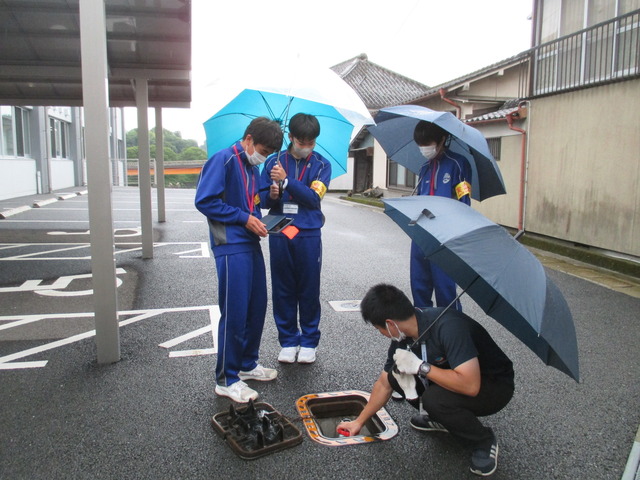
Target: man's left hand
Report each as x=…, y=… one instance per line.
x=407, y=361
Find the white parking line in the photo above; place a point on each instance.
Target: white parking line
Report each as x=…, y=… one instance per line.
x=185, y=337
x=8, y=361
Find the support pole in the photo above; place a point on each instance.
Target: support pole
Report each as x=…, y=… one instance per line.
x=95, y=93
x=144, y=167
x=160, y=166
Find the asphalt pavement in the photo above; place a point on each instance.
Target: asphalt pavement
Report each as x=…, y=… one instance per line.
x=148, y=416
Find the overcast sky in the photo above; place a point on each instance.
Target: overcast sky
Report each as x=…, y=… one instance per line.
x=429, y=41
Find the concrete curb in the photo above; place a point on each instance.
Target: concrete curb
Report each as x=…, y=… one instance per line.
x=14, y=211
x=41, y=203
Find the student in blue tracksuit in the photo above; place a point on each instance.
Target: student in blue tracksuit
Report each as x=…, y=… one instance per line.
x=293, y=183
x=445, y=174
x=227, y=194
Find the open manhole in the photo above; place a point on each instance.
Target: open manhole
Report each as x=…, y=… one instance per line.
x=322, y=412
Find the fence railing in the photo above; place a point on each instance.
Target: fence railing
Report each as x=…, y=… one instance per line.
x=606, y=52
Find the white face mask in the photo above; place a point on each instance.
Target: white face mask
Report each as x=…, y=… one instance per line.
x=301, y=152
x=429, y=152
x=255, y=158
x=401, y=335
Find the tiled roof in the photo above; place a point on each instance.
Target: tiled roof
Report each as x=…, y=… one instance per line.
x=377, y=86
x=508, y=107
x=522, y=56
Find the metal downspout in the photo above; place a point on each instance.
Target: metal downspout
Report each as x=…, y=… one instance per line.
x=523, y=174
x=443, y=94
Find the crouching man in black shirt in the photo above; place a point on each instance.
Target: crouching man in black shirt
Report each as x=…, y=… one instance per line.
x=453, y=367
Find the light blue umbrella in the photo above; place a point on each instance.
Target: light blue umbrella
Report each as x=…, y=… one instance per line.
x=228, y=124
x=394, y=131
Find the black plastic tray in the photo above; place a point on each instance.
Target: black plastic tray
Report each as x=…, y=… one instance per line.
x=292, y=435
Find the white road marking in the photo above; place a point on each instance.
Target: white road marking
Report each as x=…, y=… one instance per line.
x=345, y=305
x=19, y=365
x=201, y=247
x=214, y=316
x=203, y=250
x=192, y=353
x=185, y=337
x=55, y=289
x=6, y=362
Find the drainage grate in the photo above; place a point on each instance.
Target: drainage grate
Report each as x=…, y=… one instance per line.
x=256, y=430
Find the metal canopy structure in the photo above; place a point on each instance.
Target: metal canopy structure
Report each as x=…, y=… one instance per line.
x=40, y=52
x=99, y=54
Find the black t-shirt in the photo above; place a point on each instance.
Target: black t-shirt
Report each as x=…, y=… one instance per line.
x=454, y=339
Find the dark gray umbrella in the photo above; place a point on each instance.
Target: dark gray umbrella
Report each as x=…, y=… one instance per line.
x=501, y=276
x=394, y=131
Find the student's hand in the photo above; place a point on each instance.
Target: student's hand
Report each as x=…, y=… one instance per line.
x=352, y=427
x=407, y=361
x=256, y=226
x=274, y=191
x=278, y=173
x=407, y=383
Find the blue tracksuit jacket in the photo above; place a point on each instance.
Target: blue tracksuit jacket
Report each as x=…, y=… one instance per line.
x=227, y=194
x=296, y=263
x=448, y=176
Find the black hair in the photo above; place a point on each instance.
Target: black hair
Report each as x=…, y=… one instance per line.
x=304, y=127
x=426, y=133
x=384, y=302
x=265, y=132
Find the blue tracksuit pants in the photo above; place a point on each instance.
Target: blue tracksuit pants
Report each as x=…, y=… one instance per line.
x=426, y=277
x=295, y=281
x=242, y=295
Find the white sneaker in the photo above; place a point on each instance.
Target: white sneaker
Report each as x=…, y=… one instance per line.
x=260, y=373
x=238, y=392
x=307, y=355
x=288, y=354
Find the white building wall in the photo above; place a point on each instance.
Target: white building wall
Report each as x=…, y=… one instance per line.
x=344, y=181
x=62, y=173
x=18, y=179
x=379, y=166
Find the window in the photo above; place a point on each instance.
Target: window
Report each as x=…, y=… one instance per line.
x=495, y=147
x=15, y=138
x=8, y=141
x=59, y=133
x=400, y=176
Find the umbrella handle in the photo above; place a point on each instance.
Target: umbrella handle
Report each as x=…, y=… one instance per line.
x=427, y=213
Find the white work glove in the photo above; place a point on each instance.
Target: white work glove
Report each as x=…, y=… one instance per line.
x=408, y=385
x=407, y=361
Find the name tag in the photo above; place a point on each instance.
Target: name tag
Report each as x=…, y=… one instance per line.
x=290, y=208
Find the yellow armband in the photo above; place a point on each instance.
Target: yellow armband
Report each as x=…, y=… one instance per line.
x=462, y=189
x=319, y=187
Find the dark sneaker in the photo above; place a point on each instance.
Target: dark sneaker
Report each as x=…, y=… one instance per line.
x=484, y=462
x=425, y=424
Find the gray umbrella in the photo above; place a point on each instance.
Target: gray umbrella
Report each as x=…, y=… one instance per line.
x=501, y=276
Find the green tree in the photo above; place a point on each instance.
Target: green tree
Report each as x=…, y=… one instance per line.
x=169, y=154
x=172, y=140
x=193, y=153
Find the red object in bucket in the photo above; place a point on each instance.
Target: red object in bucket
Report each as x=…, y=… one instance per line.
x=343, y=431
